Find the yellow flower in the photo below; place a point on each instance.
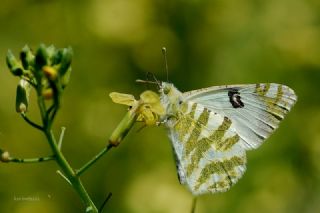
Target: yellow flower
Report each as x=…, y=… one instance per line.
x=148, y=108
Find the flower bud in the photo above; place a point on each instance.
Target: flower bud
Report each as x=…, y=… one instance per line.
x=41, y=56
x=26, y=57
x=66, y=58
x=56, y=59
x=50, y=72
x=13, y=64
x=22, y=96
x=51, y=51
x=4, y=156
x=47, y=93
x=66, y=78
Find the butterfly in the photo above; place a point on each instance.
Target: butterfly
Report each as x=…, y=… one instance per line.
x=211, y=129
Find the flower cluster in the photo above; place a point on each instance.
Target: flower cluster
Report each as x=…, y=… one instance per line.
x=47, y=71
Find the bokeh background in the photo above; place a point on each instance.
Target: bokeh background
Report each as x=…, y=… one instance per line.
x=209, y=42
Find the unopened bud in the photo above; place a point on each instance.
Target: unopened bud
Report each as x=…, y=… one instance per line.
x=50, y=72
x=66, y=57
x=47, y=94
x=26, y=57
x=41, y=56
x=66, y=78
x=56, y=59
x=22, y=96
x=13, y=64
x=51, y=50
x=5, y=156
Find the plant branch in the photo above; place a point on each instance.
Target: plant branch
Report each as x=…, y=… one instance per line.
x=63, y=129
x=116, y=137
x=93, y=160
x=24, y=116
x=54, y=113
x=64, y=177
x=50, y=108
x=105, y=202
x=30, y=160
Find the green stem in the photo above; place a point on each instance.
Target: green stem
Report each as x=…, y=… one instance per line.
x=24, y=116
x=30, y=160
x=194, y=204
x=64, y=177
x=61, y=160
x=116, y=137
x=93, y=160
x=63, y=129
x=69, y=173
x=105, y=202
x=124, y=127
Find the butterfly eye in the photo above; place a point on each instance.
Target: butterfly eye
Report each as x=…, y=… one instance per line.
x=166, y=90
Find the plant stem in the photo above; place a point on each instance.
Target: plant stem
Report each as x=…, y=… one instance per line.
x=69, y=173
x=31, y=122
x=31, y=160
x=61, y=160
x=93, y=160
x=64, y=177
x=116, y=137
x=63, y=129
x=194, y=204
x=105, y=202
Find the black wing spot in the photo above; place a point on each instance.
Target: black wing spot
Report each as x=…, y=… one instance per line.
x=235, y=98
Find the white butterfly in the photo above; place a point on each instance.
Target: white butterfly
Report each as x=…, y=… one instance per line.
x=211, y=129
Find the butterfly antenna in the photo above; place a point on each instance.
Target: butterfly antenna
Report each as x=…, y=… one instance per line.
x=156, y=80
x=151, y=75
x=146, y=82
x=164, y=52
x=148, y=74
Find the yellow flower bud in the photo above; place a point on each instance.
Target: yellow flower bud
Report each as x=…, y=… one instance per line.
x=50, y=72
x=47, y=93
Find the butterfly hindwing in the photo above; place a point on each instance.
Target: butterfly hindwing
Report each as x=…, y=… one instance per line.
x=207, y=154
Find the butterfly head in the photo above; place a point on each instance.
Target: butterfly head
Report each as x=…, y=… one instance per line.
x=170, y=97
x=168, y=89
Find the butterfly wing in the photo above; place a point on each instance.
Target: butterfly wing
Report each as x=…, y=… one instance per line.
x=212, y=128
x=255, y=109
x=208, y=155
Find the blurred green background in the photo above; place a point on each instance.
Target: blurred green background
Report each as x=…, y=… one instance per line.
x=209, y=42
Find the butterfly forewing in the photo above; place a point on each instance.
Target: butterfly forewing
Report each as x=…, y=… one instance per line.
x=262, y=107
